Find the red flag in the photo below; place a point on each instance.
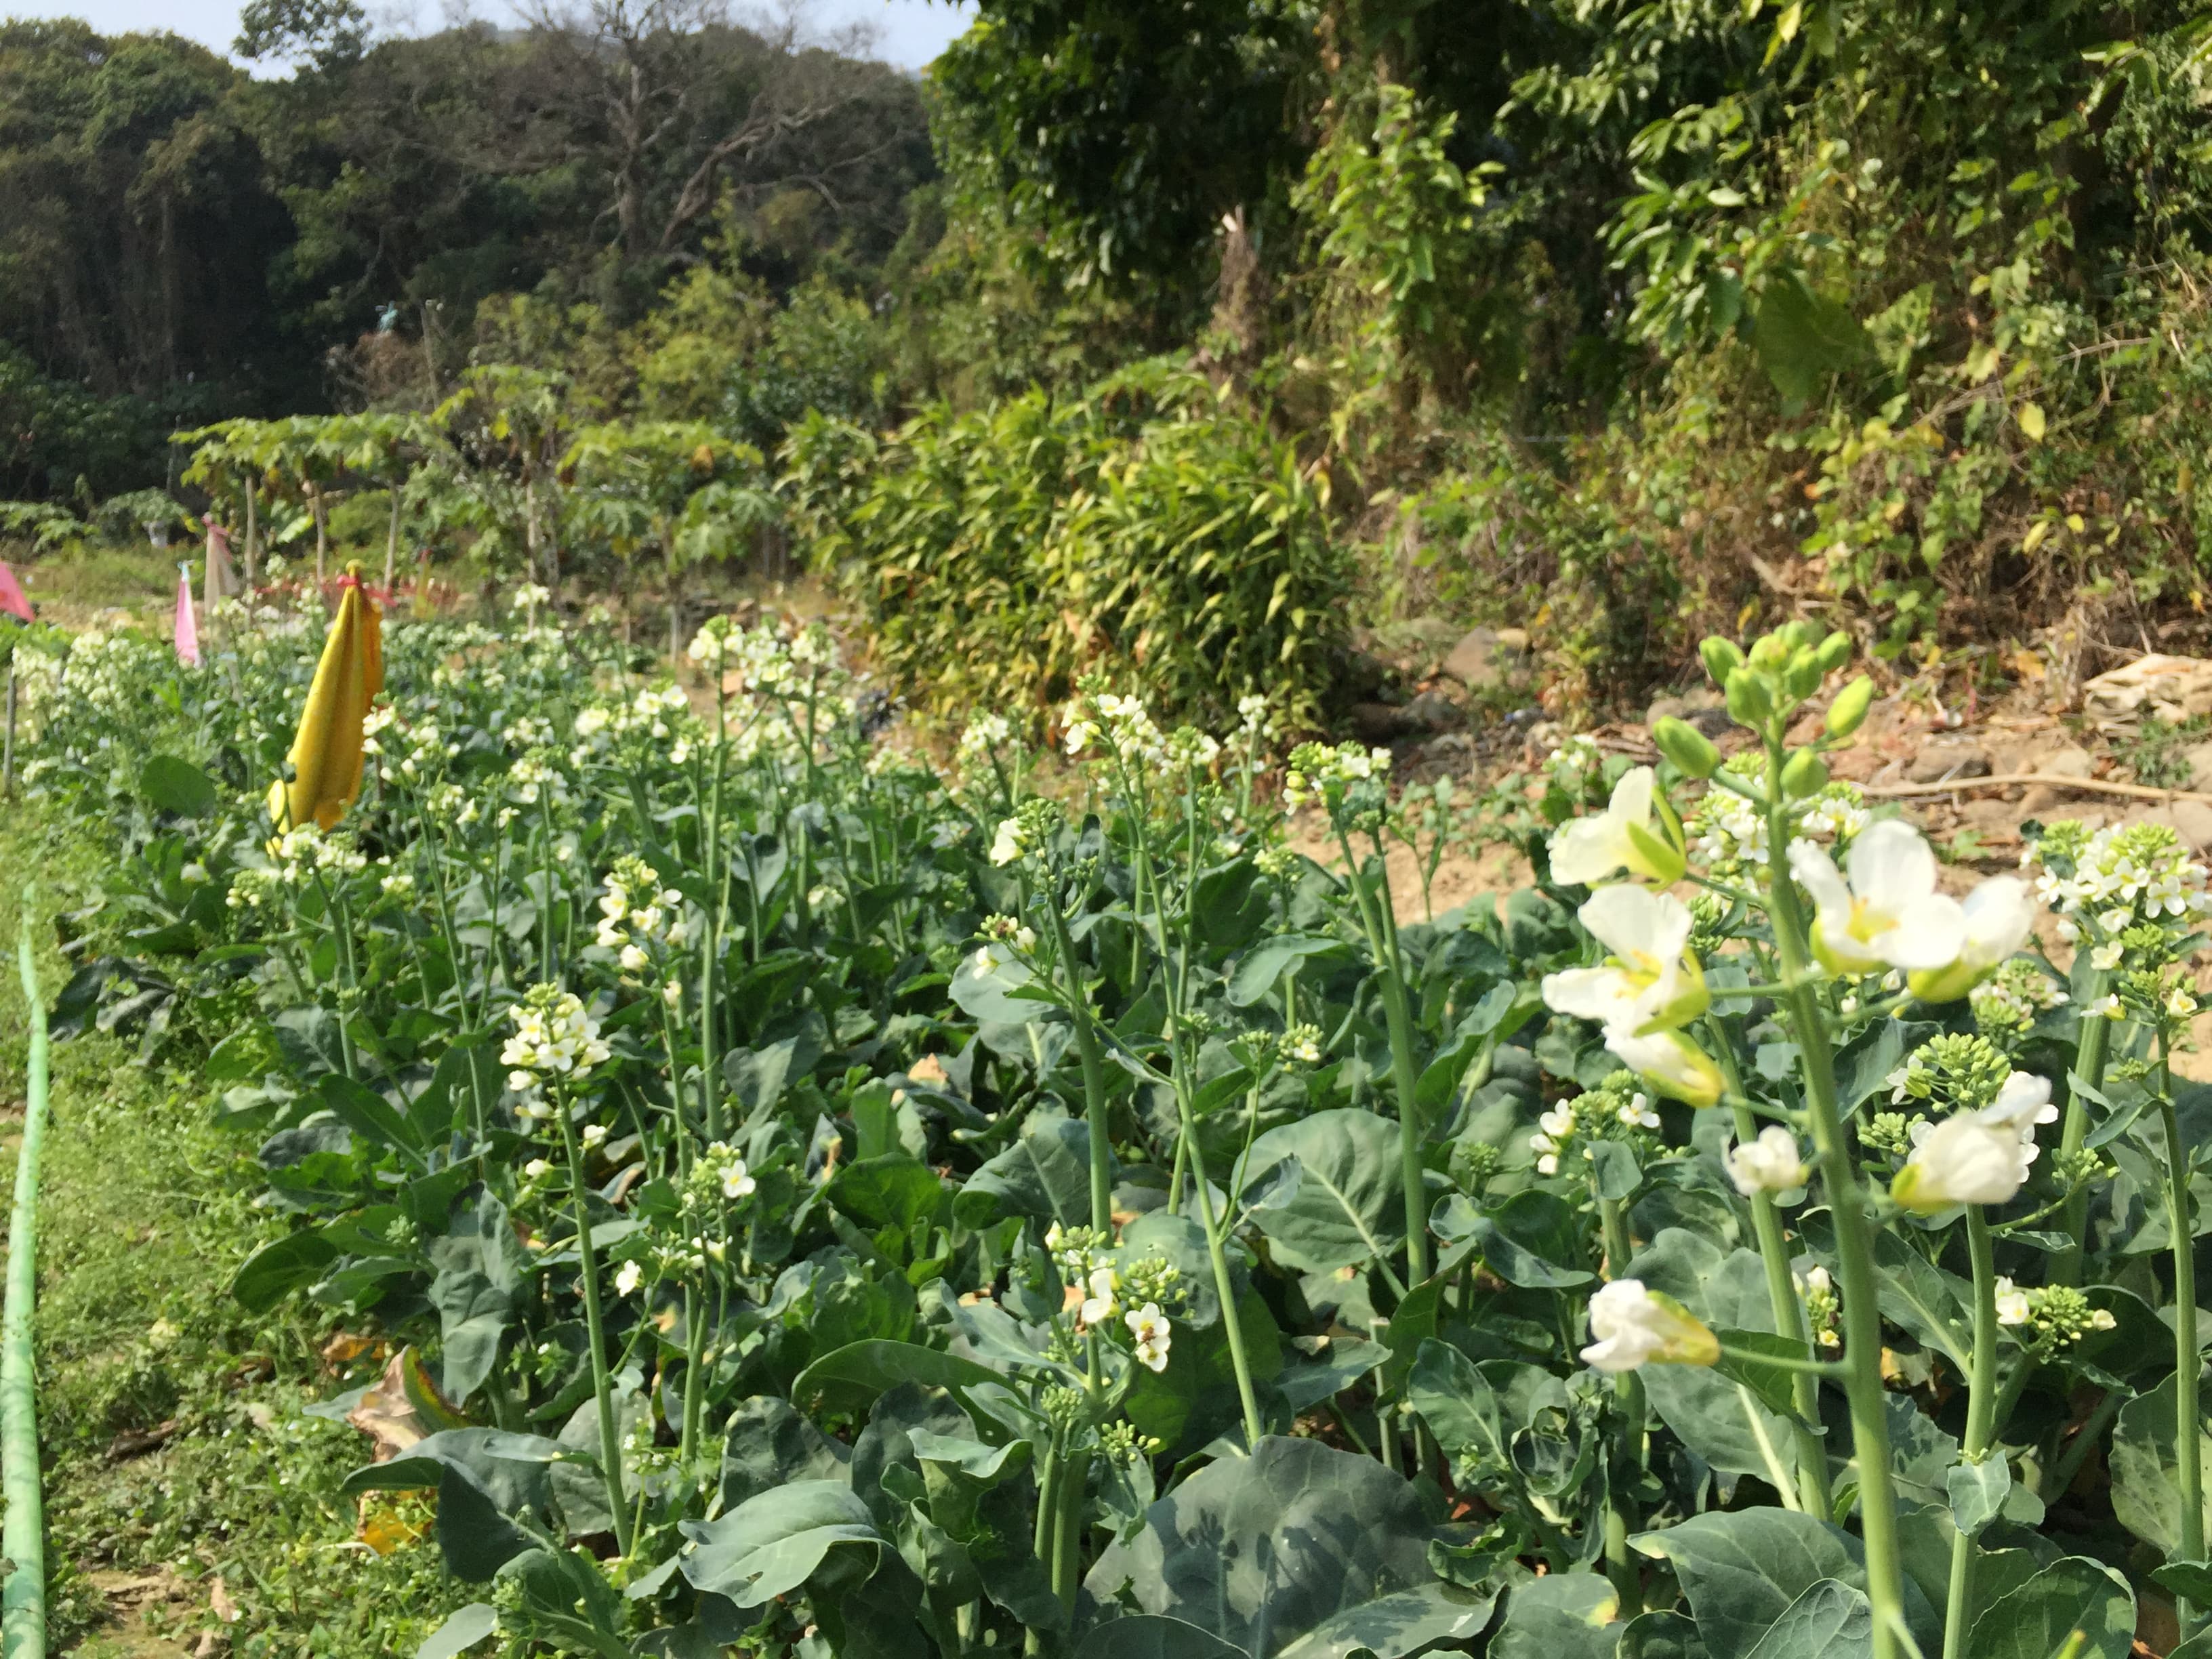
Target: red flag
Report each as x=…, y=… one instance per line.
x=13, y=600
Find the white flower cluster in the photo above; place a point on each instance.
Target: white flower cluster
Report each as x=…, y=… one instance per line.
x=556, y=1040
x=1121, y=724
x=636, y=911
x=297, y=857
x=1979, y=1155
x=410, y=753
x=1317, y=769
x=1599, y=1116
x=2140, y=872
x=528, y=597
x=727, y=1170
x=1729, y=831
x=659, y=715
x=985, y=736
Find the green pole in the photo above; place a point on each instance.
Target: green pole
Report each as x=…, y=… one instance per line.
x=22, y=1533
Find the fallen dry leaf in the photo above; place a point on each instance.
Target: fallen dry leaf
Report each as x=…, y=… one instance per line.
x=220, y=1604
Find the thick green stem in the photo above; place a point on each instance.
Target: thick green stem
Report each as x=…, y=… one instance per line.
x=1847, y=1205
x=2188, y=1429
x=23, y=1622
x=595, y=1331
x=1622, y=1518
x=1981, y=1418
x=1095, y=1106
x=2089, y=1066
x=1375, y=919
x=1783, y=1303
x=1217, y=1250
x=1067, y=1534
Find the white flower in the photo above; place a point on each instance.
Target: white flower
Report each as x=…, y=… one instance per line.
x=672, y=994
x=1009, y=843
x=2106, y=957
x=627, y=1278
x=1771, y=1163
x=1891, y=914
x=1149, y=1325
x=1999, y=916
x=635, y=961
x=1622, y=837
x=595, y=1134
x=1101, y=1304
x=1648, y=982
x=2022, y=1103
x=1962, y=1160
x=736, y=1180
x=1670, y=1063
x=2012, y=1303
x=1634, y=1326
x=537, y=1169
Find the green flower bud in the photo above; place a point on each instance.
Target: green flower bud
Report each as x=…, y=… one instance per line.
x=1721, y=658
x=1804, y=775
x=1771, y=651
x=1834, y=652
x=1849, y=711
x=1750, y=698
x=1691, y=750
x=1802, y=676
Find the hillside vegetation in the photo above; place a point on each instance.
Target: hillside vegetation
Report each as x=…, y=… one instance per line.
x=1615, y=322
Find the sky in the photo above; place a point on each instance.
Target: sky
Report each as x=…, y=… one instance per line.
x=910, y=33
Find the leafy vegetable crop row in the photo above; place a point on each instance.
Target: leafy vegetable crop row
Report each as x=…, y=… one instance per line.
x=824, y=1203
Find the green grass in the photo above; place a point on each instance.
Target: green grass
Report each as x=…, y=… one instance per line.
x=146, y=1212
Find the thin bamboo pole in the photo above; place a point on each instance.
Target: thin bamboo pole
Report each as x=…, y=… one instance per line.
x=22, y=1533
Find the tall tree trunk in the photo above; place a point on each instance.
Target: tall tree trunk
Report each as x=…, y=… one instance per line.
x=252, y=532
x=322, y=535
x=391, y=547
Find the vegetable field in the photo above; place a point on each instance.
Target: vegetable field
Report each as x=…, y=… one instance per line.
x=792, y=1195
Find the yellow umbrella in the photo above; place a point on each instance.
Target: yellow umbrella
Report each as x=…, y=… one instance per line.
x=327, y=755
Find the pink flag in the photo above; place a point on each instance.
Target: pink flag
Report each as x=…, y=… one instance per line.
x=188, y=625
x=13, y=600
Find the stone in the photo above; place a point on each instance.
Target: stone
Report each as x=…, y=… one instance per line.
x=2071, y=762
x=1681, y=705
x=1711, y=721
x=1487, y=656
x=2175, y=689
x=1432, y=711
x=2193, y=818
x=1940, y=762
x=1378, y=722
x=2199, y=757
x=2041, y=801
x=1432, y=631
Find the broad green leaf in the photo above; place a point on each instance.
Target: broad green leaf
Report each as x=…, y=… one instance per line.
x=1044, y=1175
x=1296, y=1552
x=2190, y=1579
x=176, y=785
x=463, y=1630
x=1977, y=1492
x=1456, y=1403
x=1562, y=1615
x=280, y=1267
x=2041, y=1618
x=1153, y=1636
x=1740, y=1571
x=1829, y=1620
x=1260, y=967
x=1350, y=1206
x=770, y=1544
x=1803, y=337
x=848, y=1378
x=1724, y=1422
x=1663, y=1635
x=2146, y=1472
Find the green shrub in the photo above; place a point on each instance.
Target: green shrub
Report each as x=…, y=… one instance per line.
x=1145, y=532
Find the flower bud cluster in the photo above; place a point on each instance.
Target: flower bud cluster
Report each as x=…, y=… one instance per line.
x=2006, y=1005
x=1348, y=775
x=635, y=911
x=555, y=1041
x=2050, y=1318
x=1951, y=1071
x=1616, y=1110
x=2117, y=878
x=1109, y=725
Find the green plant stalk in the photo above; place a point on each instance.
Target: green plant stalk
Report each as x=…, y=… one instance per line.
x=1863, y=1384
x=1981, y=1415
x=1067, y=1529
x=695, y=1393
x=1782, y=1300
x=1381, y=941
x=710, y=1093
x=22, y=1534
x=2188, y=1362
x=1620, y=1515
x=595, y=1331
x=1095, y=1108
x=2089, y=1066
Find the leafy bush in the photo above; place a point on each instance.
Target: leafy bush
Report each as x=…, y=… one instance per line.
x=1144, y=533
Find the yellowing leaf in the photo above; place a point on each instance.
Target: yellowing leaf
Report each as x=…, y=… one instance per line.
x=2030, y=417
